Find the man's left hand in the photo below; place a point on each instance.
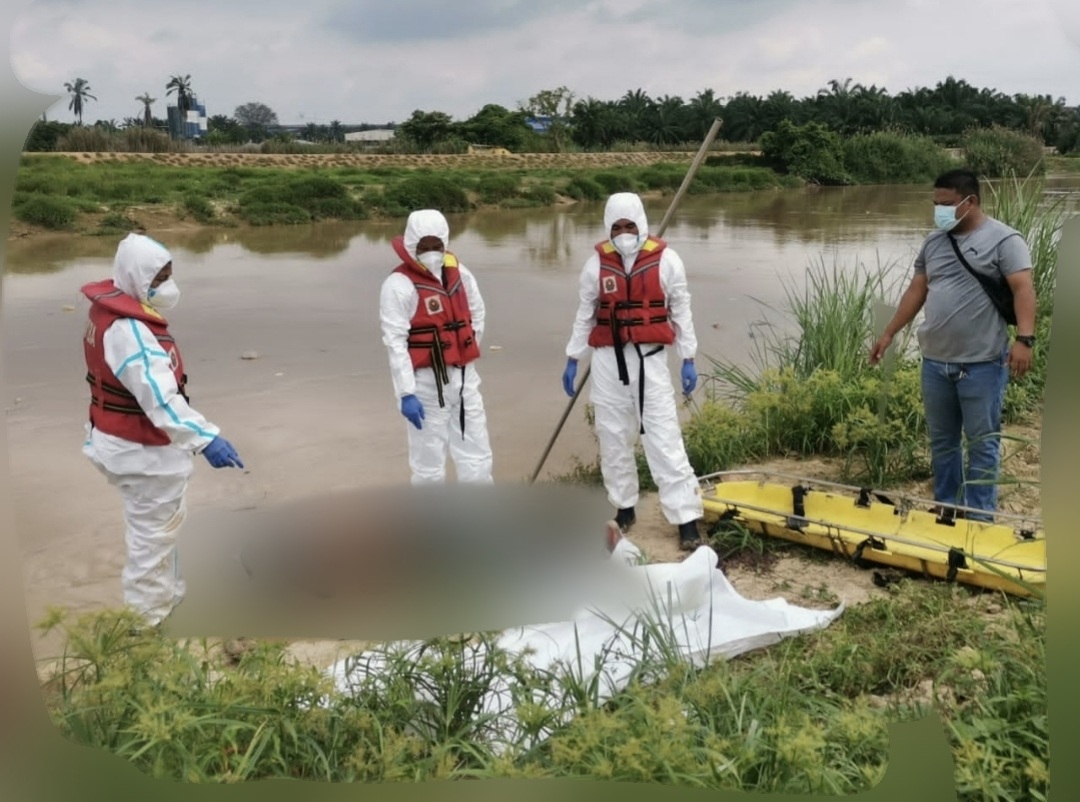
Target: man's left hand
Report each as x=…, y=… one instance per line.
x=1019, y=359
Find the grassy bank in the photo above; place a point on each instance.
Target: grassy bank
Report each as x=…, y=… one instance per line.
x=64, y=194
x=806, y=716
x=104, y=191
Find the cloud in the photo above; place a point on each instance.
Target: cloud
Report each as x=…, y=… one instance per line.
x=869, y=48
x=380, y=23
x=331, y=59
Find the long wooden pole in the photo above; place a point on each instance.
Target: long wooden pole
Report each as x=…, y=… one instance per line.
x=694, y=165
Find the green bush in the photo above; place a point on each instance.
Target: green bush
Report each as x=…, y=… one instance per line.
x=305, y=189
x=426, y=192
x=199, y=208
x=813, y=152
x=997, y=152
x=539, y=195
x=336, y=209
x=583, y=187
x=662, y=176
x=885, y=157
x=47, y=211
x=281, y=201
x=114, y=223
x=494, y=188
x=616, y=182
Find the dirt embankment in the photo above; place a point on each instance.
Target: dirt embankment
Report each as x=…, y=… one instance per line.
x=518, y=161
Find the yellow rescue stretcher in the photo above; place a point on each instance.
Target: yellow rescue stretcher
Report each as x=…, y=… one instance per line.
x=868, y=526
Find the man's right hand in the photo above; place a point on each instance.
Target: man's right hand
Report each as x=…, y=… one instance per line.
x=879, y=349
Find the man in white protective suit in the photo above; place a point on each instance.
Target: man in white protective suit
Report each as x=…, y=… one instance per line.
x=634, y=306
x=432, y=317
x=142, y=434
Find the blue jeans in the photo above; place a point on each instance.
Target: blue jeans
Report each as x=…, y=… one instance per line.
x=965, y=399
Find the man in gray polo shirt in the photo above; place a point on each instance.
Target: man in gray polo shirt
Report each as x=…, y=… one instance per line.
x=964, y=340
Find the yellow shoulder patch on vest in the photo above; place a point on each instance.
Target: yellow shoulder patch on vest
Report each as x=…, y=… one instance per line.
x=151, y=311
x=449, y=260
x=608, y=247
x=650, y=245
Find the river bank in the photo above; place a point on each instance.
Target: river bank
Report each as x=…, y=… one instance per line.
x=96, y=194
x=313, y=413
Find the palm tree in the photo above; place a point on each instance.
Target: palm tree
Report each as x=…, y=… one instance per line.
x=704, y=108
x=184, y=95
x=80, y=92
x=147, y=101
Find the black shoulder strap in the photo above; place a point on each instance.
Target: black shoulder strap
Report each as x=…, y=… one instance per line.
x=995, y=292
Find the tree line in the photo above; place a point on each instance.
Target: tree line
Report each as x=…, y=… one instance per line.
x=557, y=118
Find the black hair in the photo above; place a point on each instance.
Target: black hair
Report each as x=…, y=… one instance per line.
x=960, y=180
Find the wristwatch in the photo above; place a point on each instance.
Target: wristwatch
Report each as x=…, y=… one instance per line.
x=1027, y=340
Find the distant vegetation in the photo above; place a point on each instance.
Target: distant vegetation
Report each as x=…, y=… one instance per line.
x=946, y=114
x=845, y=134
x=62, y=194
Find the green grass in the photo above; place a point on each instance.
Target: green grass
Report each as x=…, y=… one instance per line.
x=808, y=715
x=392, y=192
x=268, y=195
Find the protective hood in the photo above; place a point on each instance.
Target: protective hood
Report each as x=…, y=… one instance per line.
x=138, y=260
x=626, y=205
x=426, y=223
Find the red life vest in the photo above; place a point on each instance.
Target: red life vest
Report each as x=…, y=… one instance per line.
x=441, y=333
x=113, y=409
x=632, y=308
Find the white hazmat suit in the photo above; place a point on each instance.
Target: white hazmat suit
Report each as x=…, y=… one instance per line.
x=618, y=417
x=440, y=430
x=152, y=480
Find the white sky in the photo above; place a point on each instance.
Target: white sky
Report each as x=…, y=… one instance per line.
x=376, y=61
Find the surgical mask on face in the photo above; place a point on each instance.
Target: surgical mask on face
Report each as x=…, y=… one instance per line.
x=432, y=260
x=164, y=296
x=945, y=217
x=625, y=243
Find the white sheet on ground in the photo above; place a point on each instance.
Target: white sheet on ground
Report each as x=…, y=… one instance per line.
x=692, y=603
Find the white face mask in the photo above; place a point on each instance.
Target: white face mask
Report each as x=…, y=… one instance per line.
x=164, y=296
x=625, y=243
x=432, y=260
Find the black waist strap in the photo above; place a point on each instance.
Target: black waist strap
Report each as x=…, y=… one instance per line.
x=123, y=392
x=438, y=362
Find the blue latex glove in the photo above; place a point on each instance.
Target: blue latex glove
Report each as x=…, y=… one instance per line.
x=412, y=409
x=221, y=454
x=568, y=377
x=689, y=377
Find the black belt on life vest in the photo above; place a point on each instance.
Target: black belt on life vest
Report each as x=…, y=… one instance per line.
x=131, y=408
x=617, y=325
x=439, y=367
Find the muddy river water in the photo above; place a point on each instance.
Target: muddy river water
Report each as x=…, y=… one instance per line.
x=315, y=412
